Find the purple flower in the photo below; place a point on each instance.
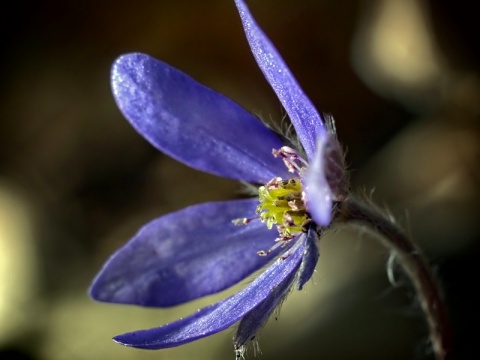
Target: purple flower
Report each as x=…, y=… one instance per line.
x=206, y=248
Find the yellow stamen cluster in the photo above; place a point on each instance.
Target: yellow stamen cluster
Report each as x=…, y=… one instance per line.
x=282, y=204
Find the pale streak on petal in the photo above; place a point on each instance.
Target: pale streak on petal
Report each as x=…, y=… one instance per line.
x=317, y=191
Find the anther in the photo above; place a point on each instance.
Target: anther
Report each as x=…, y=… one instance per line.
x=288, y=219
x=291, y=159
x=243, y=221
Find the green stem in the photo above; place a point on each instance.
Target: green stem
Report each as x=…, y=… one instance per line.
x=413, y=263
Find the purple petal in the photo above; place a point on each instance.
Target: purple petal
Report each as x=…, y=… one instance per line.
x=305, y=118
x=255, y=319
x=317, y=190
x=310, y=258
x=334, y=167
x=185, y=255
x=193, y=123
x=219, y=316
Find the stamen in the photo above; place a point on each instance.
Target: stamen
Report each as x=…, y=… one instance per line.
x=282, y=202
x=285, y=151
x=265, y=253
x=297, y=205
x=291, y=159
x=281, y=241
x=243, y=221
x=288, y=220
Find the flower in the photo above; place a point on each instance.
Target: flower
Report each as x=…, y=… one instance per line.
x=206, y=248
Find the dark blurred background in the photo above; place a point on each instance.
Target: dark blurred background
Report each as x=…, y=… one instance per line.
x=401, y=78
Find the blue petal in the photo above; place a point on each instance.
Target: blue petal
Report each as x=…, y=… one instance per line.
x=310, y=257
x=219, y=316
x=255, y=319
x=193, y=123
x=305, y=118
x=317, y=190
x=185, y=255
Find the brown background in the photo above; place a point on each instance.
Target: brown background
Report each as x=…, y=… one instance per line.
x=76, y=180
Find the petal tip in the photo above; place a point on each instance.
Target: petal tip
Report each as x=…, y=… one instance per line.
x=124, y=340
x=97, y=291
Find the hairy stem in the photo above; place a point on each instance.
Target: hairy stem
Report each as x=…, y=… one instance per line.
x=413, y=263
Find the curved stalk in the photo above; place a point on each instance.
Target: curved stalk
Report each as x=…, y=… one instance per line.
x=413, y=263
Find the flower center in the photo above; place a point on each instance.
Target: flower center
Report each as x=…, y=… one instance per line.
x=282, y=204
